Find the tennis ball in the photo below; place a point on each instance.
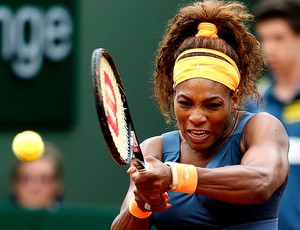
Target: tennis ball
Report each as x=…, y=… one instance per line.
x=28, y=146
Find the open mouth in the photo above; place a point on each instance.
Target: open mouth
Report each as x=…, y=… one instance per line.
x=198, y=134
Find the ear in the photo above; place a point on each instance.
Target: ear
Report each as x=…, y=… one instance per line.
x=234, y=101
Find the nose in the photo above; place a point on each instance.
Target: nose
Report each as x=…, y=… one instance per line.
x=197, y=117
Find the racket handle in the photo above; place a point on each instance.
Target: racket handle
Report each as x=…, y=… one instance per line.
x=141, y=166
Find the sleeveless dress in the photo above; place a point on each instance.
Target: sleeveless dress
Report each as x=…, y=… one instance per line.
x=195, y=211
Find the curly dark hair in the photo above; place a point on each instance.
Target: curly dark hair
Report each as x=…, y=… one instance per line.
x=234, y=39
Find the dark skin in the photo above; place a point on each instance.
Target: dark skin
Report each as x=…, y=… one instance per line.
x=198, y=113
x=204, y=110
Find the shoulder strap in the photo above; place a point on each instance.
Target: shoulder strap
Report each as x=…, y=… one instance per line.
x=245, y=118
x=171, y=146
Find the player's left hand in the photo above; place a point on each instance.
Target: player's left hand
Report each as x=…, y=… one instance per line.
x=153, y=204
x=155, y=181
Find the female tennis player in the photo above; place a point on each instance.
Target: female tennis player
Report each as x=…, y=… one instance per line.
x=222, y=168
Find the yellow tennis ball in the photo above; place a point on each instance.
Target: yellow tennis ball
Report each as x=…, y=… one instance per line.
x=28, y=146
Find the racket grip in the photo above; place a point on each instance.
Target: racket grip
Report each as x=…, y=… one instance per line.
x=147, y=166
x=141, y=166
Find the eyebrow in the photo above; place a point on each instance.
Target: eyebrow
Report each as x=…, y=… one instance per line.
x=206, y=100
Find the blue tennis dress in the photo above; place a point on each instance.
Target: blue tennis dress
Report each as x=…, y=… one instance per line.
x=195, y=211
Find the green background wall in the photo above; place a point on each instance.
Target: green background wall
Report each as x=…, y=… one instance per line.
x=130, y=30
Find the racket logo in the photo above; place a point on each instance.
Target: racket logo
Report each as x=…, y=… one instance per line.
x=134, y=143
x=111, y=102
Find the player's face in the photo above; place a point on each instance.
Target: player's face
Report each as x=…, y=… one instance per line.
x=36, y=186
x=281, y=46
x=204, y=111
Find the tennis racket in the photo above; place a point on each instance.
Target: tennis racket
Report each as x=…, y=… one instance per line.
x=113, y=112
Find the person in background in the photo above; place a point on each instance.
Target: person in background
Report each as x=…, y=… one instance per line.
x=39, y=184
x=277, y=25
x=222, y=167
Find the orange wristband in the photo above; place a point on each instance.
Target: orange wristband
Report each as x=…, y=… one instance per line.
x=184, y=177
x=134, y=210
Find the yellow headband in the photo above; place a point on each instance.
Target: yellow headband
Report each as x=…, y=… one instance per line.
x=212, y=68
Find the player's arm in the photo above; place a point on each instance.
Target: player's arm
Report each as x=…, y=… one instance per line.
x=125, y=219
x=263, y=168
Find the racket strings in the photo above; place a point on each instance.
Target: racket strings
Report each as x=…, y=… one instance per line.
x=114, y=109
